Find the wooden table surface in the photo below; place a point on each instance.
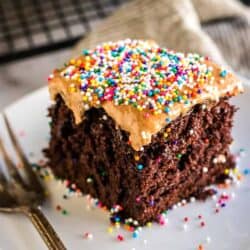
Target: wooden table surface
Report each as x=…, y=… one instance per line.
x=25, y=76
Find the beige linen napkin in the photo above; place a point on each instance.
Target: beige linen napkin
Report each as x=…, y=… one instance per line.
x=173, y=24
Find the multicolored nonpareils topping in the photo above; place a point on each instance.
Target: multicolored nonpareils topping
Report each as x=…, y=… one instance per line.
x=138, y=73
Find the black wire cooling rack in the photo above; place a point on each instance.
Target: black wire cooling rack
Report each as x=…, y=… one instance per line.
x=29, y=27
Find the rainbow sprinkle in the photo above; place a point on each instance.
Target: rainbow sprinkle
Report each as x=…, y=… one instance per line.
x=139, y=166
x=137, y=73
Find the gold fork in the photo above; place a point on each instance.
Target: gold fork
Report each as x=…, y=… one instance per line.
x=25, y=193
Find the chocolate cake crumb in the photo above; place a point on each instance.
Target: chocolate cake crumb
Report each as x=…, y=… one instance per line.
x=205, y=193
x=176, y=165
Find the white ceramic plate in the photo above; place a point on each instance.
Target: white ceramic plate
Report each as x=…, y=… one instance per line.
x=228, y=229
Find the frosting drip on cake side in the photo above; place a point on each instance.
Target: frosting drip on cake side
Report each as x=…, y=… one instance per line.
x=141, y=86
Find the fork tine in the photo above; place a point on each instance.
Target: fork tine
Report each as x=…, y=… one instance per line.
x=14, y=174
x=3, y=180
x=32, y=177
x=7, y=201
x=14, y=141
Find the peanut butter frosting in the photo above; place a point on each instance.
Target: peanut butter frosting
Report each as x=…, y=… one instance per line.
x=141, y=86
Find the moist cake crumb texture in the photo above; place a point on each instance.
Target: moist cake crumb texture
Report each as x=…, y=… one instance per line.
x=140, y=126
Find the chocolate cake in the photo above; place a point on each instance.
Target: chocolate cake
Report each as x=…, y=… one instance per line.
x=140, y=126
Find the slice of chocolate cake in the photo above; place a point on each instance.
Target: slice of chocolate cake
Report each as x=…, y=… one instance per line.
x=140, y=126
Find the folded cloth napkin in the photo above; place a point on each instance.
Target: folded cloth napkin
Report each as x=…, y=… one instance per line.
x=178, y=25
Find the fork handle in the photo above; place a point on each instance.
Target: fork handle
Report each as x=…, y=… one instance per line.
x=44, y=228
